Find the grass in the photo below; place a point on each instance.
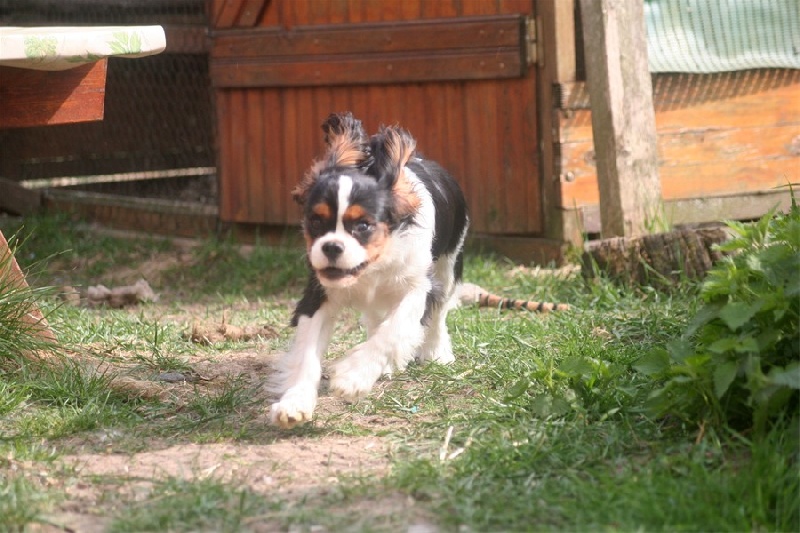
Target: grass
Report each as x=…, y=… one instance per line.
x=178, y=505
x=540, y=424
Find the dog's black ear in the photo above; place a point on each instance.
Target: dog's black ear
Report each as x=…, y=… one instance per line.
x=346, y=140
x=391, y=149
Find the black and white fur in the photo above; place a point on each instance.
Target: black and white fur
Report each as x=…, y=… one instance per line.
x=384, y=230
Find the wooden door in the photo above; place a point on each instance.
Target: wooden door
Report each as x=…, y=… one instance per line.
x=455, y=73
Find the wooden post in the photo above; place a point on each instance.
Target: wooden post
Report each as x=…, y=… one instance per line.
x=623, y=119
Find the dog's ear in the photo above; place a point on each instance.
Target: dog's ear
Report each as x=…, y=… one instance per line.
x=391, y=149
x=346, y=141
x=346, y=145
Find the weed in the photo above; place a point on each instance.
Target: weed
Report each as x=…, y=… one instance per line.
x=738, y=362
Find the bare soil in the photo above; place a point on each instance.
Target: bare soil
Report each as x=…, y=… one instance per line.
x=101, y=472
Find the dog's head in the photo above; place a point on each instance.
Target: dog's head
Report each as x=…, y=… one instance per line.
x=354, y=198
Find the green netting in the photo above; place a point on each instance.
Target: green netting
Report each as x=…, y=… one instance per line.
x=722, y=35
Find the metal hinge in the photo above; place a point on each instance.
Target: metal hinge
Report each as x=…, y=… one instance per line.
x=532, y=33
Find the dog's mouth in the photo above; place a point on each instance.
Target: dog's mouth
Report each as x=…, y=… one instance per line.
x=334, y=273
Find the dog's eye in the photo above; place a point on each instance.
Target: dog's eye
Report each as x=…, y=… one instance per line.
x=314, y=224
x=362, y=226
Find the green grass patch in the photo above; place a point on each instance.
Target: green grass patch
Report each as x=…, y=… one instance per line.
x=544, y=422
x=178, y=505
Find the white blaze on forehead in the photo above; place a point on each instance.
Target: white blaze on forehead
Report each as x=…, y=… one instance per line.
x=353, y=254
x=345, y=188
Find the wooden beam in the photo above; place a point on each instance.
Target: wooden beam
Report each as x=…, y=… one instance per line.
x=705, y=210
x=470, y=48
x=39, y=98
x=556, y=64
x=623, y=118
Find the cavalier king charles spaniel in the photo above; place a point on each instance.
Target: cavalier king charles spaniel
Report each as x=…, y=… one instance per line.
x=384, y=231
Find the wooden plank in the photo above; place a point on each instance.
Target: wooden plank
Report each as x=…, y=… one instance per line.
x=623, y=118
x=705, y=102
x=498, y=32
x=251, y=12
x=712, y=178
x=554, y=19
x=227, y=13
x=697, y=147
x=376, y=69
x=565, y=54
x=482, y=164
x=293, y=168
x=18, y=200
x=743, y=142
x=254, y=173
x=227, y=179
x=272, y=14
x=692, y=211
x=276, y=184
x=238, y=116
x=38, y=98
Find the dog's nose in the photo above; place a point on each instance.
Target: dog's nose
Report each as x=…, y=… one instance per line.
x=332, y=249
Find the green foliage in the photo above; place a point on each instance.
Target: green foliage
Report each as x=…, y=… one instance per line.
x=738, y=361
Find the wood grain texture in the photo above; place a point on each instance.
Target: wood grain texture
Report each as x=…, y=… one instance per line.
x=487, y=143
x=357, y=54
x=623, y=118
x=745, y=140
x=361, y=38
x=375, y=69
x=39, y=98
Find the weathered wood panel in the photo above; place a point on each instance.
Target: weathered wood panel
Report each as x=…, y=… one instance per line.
x=42, y=98
x=326, y=40
x=230, y=13
x=484, y=132
x=375, y=69
x=746, y=139
x=357, y=54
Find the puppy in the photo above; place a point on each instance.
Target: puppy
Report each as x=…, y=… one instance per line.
x=384, y=231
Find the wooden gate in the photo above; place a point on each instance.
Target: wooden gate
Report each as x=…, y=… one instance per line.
x=455, y=73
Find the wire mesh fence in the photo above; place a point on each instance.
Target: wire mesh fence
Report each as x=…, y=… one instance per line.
x=156, y=138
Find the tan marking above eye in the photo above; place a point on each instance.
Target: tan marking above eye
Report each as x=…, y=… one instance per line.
x=323, y=210
x=354, y=212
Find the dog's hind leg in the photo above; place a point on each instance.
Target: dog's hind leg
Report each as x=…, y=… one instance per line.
x=436, y=346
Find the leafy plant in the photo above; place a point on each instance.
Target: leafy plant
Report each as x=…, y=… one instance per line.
x=738, y=362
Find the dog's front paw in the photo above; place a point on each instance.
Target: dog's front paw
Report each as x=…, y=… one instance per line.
x=295, y=407
x=353, y=377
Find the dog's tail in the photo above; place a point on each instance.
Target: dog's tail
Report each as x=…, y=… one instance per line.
x=471, y=294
